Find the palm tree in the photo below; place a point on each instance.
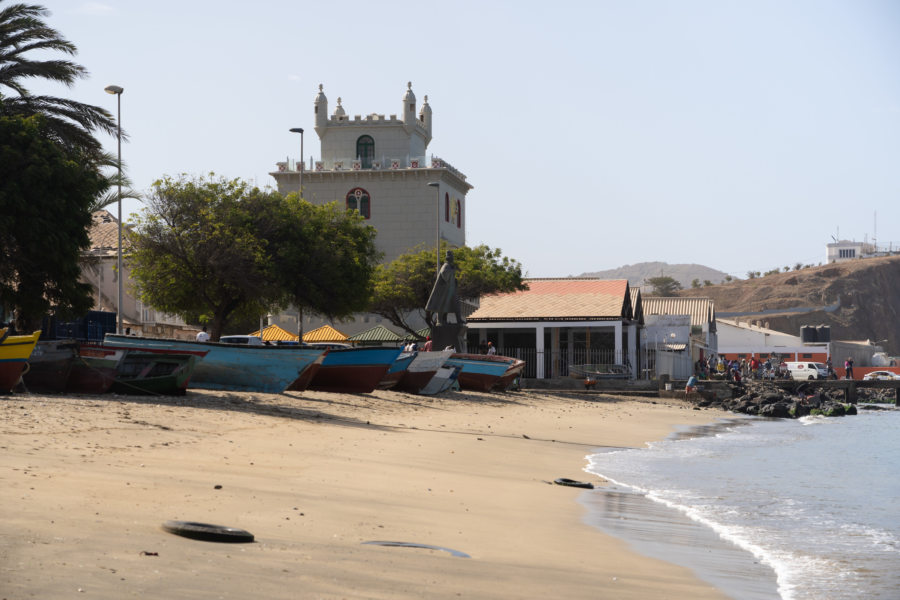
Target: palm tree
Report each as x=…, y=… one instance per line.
x=108, y=164
x=69, y=122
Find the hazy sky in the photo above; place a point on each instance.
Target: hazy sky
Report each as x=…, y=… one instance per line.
x=738, y=135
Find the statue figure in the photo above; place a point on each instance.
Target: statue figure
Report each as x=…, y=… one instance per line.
x=443, y=299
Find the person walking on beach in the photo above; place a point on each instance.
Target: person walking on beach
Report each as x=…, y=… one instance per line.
x=848, y=367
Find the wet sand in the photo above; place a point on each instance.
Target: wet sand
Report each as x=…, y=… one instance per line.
x=88, y=482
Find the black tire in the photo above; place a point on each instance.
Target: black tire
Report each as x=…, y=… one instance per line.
x=207, y=532
x=572, y=483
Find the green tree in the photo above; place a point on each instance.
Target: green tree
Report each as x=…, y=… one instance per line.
x=23, y=34
x=707, y=283
x=325, y=257
x=663, y=285
x=728, y=279
x=199, y=250
x=45, y=192
x=695, y=283
x=402, y=287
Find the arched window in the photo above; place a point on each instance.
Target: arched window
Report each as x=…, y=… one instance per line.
x=365, y=150
x=358, y=199
x=447, y=207
x=458, y=213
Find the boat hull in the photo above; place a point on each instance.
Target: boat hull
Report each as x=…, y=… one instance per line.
x=480, y=372
x=353, y=370
x=154, y=373
x=14, y=353
x=49, y=366
x=94, y=369
x=269, y=369
x=442, y=381
x=396, y=371
x=422, y=369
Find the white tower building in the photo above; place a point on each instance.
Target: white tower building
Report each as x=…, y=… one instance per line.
x=378, y=166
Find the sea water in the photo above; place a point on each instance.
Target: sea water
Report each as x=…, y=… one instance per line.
x=804, y=509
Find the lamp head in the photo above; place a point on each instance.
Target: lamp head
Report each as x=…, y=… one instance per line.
x=296, y=130
x=114, y=89
x=434, y=184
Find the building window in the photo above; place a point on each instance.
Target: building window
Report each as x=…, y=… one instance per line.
x=365, y=150
x=847, y=253
x=447, y=207
x=807, y=356
x=358, y=199
x=458, y=213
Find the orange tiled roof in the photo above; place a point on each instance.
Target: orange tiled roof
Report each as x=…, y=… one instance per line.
x=325, y=333
x=104, y=232
x=274, y=333
x=568, y=299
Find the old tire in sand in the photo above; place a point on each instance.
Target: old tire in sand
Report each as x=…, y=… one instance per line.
x=207, y=532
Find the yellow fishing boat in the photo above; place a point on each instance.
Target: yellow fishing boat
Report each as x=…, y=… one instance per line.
x=14, y=353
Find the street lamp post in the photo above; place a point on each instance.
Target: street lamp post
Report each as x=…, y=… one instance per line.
x=302, y=160
x=115, y=89
x=437, y=248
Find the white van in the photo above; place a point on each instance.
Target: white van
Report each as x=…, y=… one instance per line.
x=804, y=371
x=249, y=340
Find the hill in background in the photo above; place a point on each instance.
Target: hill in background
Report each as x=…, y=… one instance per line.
x=859, y=299
x=638, y=273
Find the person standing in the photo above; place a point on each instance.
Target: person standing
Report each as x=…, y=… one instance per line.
x=428, y=344
x=490, y=349
x=203, y=336
x=848, y=367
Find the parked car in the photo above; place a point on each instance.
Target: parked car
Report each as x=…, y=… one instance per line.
x=881, y=376
x=248, y=340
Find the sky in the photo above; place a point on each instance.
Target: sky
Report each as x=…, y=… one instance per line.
x=743, y=136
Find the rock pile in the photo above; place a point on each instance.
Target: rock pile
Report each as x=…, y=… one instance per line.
x=766, y=400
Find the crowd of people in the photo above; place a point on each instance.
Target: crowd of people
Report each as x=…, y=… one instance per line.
x=736, y=370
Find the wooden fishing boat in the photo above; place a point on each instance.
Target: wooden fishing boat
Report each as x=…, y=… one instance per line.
x=14, y=353
x=94, y=369
x=598, y=371
x=353, y=370
x=422, y=369
x=49, y=366
x=157, y=373
x=444, y=378
x=481, y=372
x=397, y=370
x=513, y=372
x=231, y=367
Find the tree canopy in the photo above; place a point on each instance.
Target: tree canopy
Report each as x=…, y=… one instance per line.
x=325, y=258
x=402, y=287
x=219, y=251
x=45, y=192
x=664, y=285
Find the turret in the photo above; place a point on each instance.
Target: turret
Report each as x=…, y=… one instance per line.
x=339, y=111
x=409, y=109
x=425, y=119
x=321, y=110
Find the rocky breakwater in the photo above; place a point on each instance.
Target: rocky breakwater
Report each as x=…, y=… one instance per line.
x=766, y=400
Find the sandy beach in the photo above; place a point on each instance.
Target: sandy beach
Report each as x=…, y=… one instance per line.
x=88, y=481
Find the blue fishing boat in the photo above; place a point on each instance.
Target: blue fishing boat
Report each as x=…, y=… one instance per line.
x=422, y=370
x=231, y=367
x=483, y=372
x=397, y=370
x=352, y=370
